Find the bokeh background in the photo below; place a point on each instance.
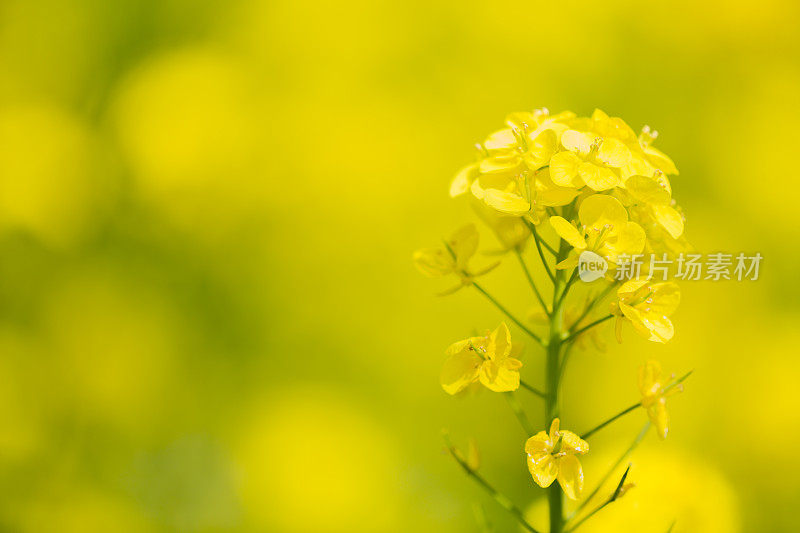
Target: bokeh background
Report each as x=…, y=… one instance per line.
x=209, y=319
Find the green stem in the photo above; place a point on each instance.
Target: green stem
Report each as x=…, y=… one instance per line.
x=610, y=420
x=500, y=498
x=575, y=334
x=608, y=474
x=565, y=358
x=505, y=311
x=519, y=413
x=593, y=303
x=555, y=495
x=531, y=282
x=534, y=390
x=539, y=242
x=633, y=407
x=603, y=505
x=571, y=280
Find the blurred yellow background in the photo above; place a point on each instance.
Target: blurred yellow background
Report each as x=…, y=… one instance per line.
x=209, y=319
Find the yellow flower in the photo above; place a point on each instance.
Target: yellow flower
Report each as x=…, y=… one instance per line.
x=650, y=201
x=490, y=359
x=654, y=395
x=506, y=176
x=553, y=456
x=654, y=156
x=453, y=258
x=605, y=230
x=645, y=159
x=593, y=157
x=647, y=306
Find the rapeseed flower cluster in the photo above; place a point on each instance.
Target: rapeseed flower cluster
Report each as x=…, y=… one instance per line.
x=572, y=185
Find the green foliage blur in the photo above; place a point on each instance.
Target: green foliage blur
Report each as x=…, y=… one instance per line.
x=209, y=319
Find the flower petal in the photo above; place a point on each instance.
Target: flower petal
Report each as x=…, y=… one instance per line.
x=539, y=444
x=500, y=141
x=670, y=219
x=499, y=378
x=506, y=202
x=548, y=194
x=564, y=170
x=652, y=325
x=500, y=342
x=459, y=370
x=572, y=443
x=666, y=297
x=543, y=469
x=631, y=286
x=577, y=141
x=598, y=178
x=464, y=243
x=647, y=190
x=463, y=180
x=613, y=127
x=503, y=163
x=659, y=417
x=613, y=153
x=434, y=262
x=570, y=476
x=649, y=374
x=660, y=160
x=541, y=149
x=554, y=434
x=629, y=239
x=598, y=210
x=568, y=232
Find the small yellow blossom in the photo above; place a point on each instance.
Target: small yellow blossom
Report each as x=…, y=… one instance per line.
x=645, y=159
x=654, y=156
x=654, y=395
x=589, y=159
x=647, y=306
x=605, y=230
x=491, y=359
x=508, y=176
x=553, y=456
x=652, y=201
x=453, y=258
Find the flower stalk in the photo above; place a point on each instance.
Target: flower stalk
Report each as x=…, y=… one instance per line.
x=555, y=495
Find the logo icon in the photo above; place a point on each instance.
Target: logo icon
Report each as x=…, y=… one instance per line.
x=591, y=266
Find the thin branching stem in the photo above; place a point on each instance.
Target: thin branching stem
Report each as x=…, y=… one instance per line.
x=534, y=390
x=575, y=334
x=519, y=413
x=633, y=407
x=570, y=281
x=609, y=501
x=608, y=474
x=610, y=420
x=539, y=243
x=500, y=498
x=481, y=518
x=531, y=282
x=532, y=227
x=677, y=382
x=505, y=311
x=600, y=297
